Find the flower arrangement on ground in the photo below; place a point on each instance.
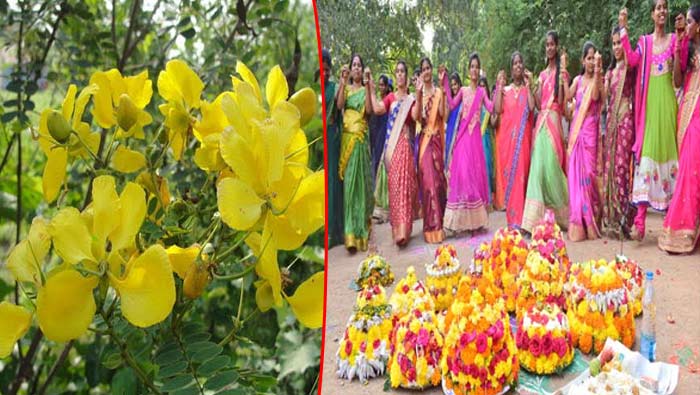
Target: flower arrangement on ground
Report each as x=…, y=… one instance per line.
x=443, y=276
x=632, y=276
x=373, y=270
x=508, y=253
x=599, y=306
x=544, y=340
x=547, y=232
x=541, y=280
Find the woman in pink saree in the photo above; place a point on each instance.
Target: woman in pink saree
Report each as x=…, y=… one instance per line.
x=513, y=139
x=468, y=190
x=682, y=223
x=431, y=113
x=584, y=200
x=398, y=157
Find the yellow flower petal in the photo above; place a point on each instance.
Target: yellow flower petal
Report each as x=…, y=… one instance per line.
x=297, y=154
x=139, y=88
x=71, y=237
x=213, y=118
x=267, y=268
x=125, y=160
x=54, y=173
x=276, y=89
x=69, y=102
x=179, y=83
x=282, y=192
x=80, y=103
x=307, y=301
x=181, y=259
x=15, y=323
x=307, y=211
x=277, y=135
x=248, y=102
x=239, y=205
x=102, y=109
x=286, y=236
x=248, y=77
x=105, y=207
x=263, y=295
x=26, y=258
x=238, y=153
x=207, y=156
x=45, y=139
x=306, y=101
x=147, y=290
x=65, y=305
x=133, y=211
x=235, y=117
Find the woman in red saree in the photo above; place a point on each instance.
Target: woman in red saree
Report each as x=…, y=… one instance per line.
x=430, y=111
x=513, y=140
x=682, y=223
x=398, y=156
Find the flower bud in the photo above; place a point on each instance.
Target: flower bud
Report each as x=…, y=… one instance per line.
x=58, y=126
x=196, y=280
x=127, y=112
x=305, y=100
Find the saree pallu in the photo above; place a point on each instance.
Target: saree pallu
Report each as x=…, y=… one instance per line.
x=487, y=142
x=618, y=214
x=513, y=142
x=335, y=185
x=431, y=168
x=584, y=201
x=682, y=222
x=547, y=185
x=355, y=171
x=467, y=195
x=450, y=131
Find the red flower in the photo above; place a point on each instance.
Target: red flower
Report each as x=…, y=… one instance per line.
x=547, y=344
x=466, y=338
x=535, y=346
x=363, y=346
x=423, y=337
x=405, y=288
x=376, y=344
x=348, y=347
x=481, y=343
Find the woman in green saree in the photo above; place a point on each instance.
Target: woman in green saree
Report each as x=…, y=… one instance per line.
x=354, y=166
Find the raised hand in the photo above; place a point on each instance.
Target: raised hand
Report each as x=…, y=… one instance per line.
x=367, y=75
x=501, y=78
x=442, y=72
x=563, y=59
x=528, y=77
x=598, y=62
x=419, y=85
x=345, y=73
x=680, y=26
x=622, y=18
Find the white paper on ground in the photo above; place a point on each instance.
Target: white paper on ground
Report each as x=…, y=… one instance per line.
x=637, y=366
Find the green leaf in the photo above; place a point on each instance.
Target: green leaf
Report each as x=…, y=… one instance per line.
x=124, y=382
x=168, y=357
x=172, y=369
x=263, y=382
x=212, y=365
x=194, y=390
x=111, y=359
x=177, y=382
x=207, y=353
x=221, y=380
x=236, y=391
x=193, y=348
x=297, y=360
x=197, y=337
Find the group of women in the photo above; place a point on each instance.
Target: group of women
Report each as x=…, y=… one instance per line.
x=436, y=160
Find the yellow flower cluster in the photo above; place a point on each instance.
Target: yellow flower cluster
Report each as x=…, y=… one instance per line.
x=479, y=355
x=541, y=280
x=544, y=340
x=443, y=276
x=506, y=258
x=364, y=350
x=632, y=276
x=372, y=270
x=409, y=294
x=599, y=306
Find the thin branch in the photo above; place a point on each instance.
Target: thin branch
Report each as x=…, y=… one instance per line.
x=127, y=39
x=141, y=36
x=6, y=156
x=114, y=30
x=25, y=368
x=56, y=365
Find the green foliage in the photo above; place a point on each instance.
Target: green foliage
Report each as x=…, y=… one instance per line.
x=493, y=28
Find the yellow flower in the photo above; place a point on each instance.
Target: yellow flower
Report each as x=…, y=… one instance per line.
x=182, y=89
x=25, y=260
x=182, y=259
x=75, y=143
x=208, y=132
x=121, y=101
x=15, y=323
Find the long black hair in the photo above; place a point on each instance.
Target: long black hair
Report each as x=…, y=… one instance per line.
x=555, y=37
x=385, y=79
x=424, y=60
x=455, y=76
x=485, y=82
x=694, y=12
x=586, y=47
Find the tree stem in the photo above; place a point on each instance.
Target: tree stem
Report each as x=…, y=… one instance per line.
x=56, y=365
